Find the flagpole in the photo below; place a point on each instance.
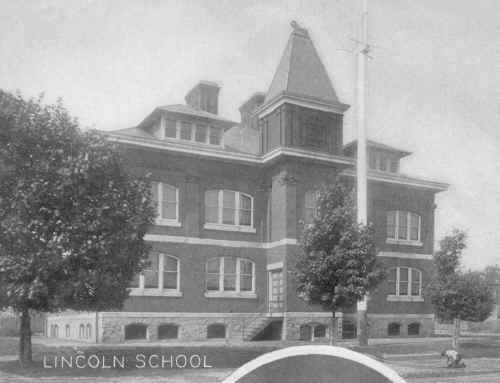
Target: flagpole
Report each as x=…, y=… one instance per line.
x=361, y=162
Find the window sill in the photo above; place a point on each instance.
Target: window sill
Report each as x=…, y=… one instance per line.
x=223, y=227
x=230, y=294
x=167, y=222
x=403, y=242
x=191, y=142
x=136, y=292
x=404, y=298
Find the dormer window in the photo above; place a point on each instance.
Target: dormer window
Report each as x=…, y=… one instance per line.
x=383, y=162
x=193, y=132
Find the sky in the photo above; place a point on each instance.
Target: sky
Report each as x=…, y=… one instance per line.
x=433, y=83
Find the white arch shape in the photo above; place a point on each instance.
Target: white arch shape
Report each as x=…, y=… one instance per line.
x=339, y=352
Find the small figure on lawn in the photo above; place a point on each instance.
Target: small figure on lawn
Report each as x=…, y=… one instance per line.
x=453, y=359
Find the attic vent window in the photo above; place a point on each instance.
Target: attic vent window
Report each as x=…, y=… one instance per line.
x=193, y=132
x=383, y=162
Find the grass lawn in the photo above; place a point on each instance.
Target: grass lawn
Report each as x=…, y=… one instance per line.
x=482, y=355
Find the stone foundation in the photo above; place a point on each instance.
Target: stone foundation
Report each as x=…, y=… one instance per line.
x=111, y=326
x=379, y=324
x=72, y=325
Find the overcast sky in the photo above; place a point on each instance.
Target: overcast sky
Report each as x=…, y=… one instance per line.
x=433, y=83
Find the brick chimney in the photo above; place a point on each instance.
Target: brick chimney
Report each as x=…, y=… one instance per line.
x=248, y=107
x=204, y=96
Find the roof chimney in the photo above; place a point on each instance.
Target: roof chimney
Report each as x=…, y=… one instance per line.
x=249, y=106
x=204, y=96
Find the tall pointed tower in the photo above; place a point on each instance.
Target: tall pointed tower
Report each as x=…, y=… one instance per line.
x=301, y=108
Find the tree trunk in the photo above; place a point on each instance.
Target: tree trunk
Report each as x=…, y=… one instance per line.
x=25, y=338
x=456, y=334
x=333, y=329
x=362, y=328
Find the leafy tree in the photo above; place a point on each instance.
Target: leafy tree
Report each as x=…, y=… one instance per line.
x=338, y=264
x=72, y=220
x=457, y=295
x=492, y=274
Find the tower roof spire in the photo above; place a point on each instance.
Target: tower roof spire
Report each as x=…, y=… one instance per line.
x=301, y=73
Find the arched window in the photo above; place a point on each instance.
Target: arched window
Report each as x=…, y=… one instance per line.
x=67, y=331
x=88, y=331
x=310, y=206
x=393, y=329
x=56, y=330
x=404, y=281
x=166, y=199
x=349, y=329
x=81, y=331
x=216, y=330
x=136, y=331
x=168, y=331
x=230, y=274
x=305, y=332
x=228, y=208
x=319, y=331
x=403, y=227
x=414, y=328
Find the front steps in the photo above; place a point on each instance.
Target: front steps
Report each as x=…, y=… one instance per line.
x=256, y=326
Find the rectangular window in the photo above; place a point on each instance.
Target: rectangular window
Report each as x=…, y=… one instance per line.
x=212, y=206
x=228, y=207
x=394, y=165
x=201, y=133
x=186, y=128
x=213, y=270
x=415, y=282
x=391, y=224
x=169, y=202
x=310, y=202
x=215, y=136
x=383, y=163
x=166, y=200
x=403, y=281
x=414, y=227
x=246, y=275
x=170, y=273
x=402, y=225
x=170, y=128
x=151, y=273
x=245, y=210
x=392, y=281
x=229, y=274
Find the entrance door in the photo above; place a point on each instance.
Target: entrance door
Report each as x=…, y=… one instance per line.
x=276, y=291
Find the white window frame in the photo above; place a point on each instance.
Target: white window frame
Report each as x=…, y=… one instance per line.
x=381, y=157
x=167, y=221
x=407, y=241
x=237, y=293
x=160, y=290
x=220, y=207
x=406, y=297
x=209, y=127
x=308, y=208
